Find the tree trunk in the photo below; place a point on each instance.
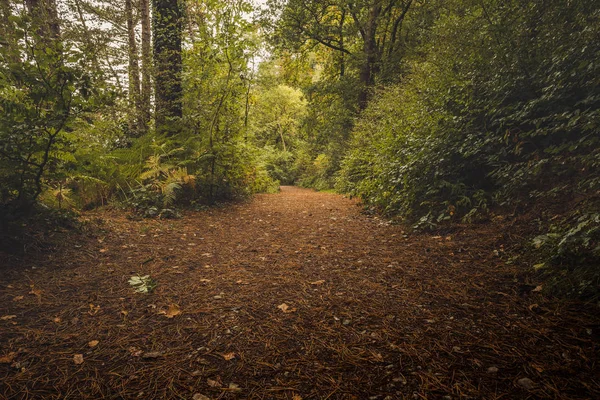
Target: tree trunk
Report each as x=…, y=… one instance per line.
x=145, y=105
x=167, y=21
x=134, y=74
x=370, y=56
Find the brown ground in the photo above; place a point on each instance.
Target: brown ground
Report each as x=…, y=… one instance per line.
x=372, y=313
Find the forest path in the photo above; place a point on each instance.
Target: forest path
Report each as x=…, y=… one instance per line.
x=295, y=295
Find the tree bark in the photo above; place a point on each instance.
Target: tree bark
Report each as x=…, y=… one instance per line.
x=146, y=93
x=168, y=26
x=370, y=56
x=134, y=73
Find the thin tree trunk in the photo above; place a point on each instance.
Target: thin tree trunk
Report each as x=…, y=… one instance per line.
x=370, y=56
x=146, y=93
x=168, y=26
x=88, y=37
x=134, y=73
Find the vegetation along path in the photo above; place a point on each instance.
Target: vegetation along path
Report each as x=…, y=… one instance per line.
x=295, y=295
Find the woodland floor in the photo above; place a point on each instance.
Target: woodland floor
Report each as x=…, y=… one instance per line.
x=295, y=295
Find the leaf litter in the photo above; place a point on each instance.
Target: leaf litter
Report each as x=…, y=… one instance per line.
x=359, y=329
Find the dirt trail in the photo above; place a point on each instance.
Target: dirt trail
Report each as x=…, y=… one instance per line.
x=291, y=296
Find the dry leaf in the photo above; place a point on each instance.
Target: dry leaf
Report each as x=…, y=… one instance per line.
x=17, y=298
x=537, y=288
x=233, y=387
x=172, y=311
x=36, y=292
x=57, y=320
x=7, y=359
x=7, y=317
x=78, y=359
x=93, y=309
x=199, y=396
x=229, y=356
x=318, y=282
x=204, y=280
x=135, y=352
x=285, y=308
x=297, y=397
x=213, y=383
x=93, y=343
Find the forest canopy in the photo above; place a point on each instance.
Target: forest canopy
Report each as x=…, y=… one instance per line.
x=431, y=112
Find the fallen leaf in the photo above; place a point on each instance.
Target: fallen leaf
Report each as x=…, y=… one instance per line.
x=199, y=396
x=57, y=320
x=135, y=352
x=93, y=343
x=297, y=397
x=18, y=298
x=285, y=308
x=78, y=359
x=173, y=311
x=7, y=359
x=204, y=280
x=7, y=317
x=234, y=387
x=526, y=383
x=213, y=383
x=103, y=250
x=537, y=288
x=93, y=309
x=229, y=356
x=318, y=282
x=36, y=292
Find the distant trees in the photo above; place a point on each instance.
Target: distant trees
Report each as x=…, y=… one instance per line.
x=364, y=35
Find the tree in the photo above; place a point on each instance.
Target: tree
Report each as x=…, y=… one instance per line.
x=366, y=32
x=135, y=114
x=146, y=92
x=168, y=26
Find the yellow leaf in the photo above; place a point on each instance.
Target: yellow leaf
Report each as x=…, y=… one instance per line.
x=7, y=359
x=285, y=308
x=173, y=311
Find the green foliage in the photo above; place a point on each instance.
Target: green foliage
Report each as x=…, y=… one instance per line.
x=501, y=107
x=142, y=284
x=43, y=91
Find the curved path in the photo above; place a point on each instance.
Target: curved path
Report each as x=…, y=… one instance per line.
x=295, y=295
